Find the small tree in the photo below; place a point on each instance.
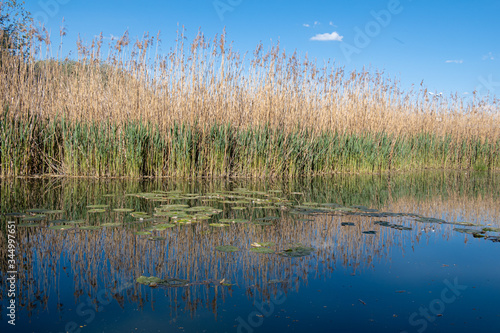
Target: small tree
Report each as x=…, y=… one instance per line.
x=15, y=24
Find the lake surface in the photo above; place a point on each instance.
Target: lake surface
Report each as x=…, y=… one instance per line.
x=401, y=253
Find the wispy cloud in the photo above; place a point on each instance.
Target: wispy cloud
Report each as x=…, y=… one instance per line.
x=488, y=56
x=326, y=37
x=306, y=25
x=331, y=24
x=454, y=61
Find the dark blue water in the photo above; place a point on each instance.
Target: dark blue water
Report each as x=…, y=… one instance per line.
x=427, y=277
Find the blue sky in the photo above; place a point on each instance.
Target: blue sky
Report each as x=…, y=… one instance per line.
x=452, y=45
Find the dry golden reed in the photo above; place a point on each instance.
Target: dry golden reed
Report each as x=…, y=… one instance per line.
x=206, y=83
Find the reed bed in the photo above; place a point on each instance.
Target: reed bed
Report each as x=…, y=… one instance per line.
x=204, y=109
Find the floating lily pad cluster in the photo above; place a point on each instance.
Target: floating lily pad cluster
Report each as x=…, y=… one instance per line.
x=171, y=209
x=489, y=233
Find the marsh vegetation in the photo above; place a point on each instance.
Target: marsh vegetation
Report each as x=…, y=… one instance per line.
x=203, y=109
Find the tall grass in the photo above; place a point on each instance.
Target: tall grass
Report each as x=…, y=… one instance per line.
x=204, y=109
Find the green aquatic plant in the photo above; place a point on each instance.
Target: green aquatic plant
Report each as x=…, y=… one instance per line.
x=297, y=251
x=227, y=248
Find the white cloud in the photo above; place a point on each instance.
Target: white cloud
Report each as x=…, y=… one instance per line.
x=334, y=36
x=331, y=23
x=306, y=25
x=454, y=61
x=488, y=56
x=316, y=23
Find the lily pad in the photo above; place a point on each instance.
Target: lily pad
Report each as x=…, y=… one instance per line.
x=60, y=227
x=76, y=222
x=111, y=224
x=98, y=206
x=262, y=244
x=145, y=280
x=173, y=207
x=200, y=209
x=467, y=231
x=59, y=221
x=156, y=238
x=27, y=225
x=218, y=225
x=55, y=211
x=490, y=229
x=268, y=218
x=164, y=226
x=346, y=224
x=430, y=220
x=495, y=239
x=33, y=218
x=15, y=214
x=90, y=227
x=299, y=251
x=96, y=211
x=262, y=223
x=370, y=232
x=227, y=248
x=123, y=210
x=202, y=217
x=233, y=221
x=37, y=210
x=142, y=233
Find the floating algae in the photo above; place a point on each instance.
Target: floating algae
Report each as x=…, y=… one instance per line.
x=346, y=224
x=369, y=232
